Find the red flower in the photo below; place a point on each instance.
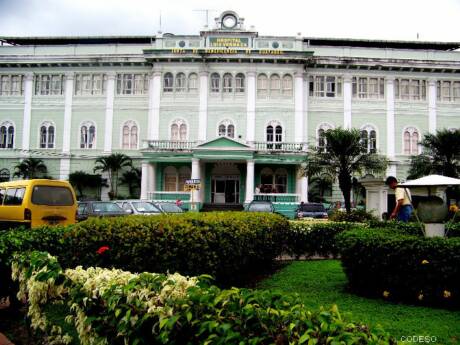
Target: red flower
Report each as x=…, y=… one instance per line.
x=102, y=249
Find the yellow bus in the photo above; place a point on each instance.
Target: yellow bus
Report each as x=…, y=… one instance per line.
x=32, y=203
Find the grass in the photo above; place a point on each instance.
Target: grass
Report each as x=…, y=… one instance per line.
x=323, y=283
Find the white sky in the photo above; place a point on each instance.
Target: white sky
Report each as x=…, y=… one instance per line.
x=433, y=20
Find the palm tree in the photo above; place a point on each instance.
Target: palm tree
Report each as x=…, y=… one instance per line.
x=343, y=156
x=30, y=168
x=441, y=155
x=132, y=178
x=112, y=164
x=81, y=180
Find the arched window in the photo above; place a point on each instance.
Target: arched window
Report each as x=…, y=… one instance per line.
x=130, y=135
x=179, y=130
x=215, y=83
x=410, y=141
x=274, y=134
x=369, y=138
x=320, y=138
x=275, y=85
x=287, y=85
x=228, y=83
x=168, y=82
x=239, y=83
x=226, y=129
x=47, y=135
x=6, y=135
x=192, y=82
x=181, y=82
x=88, y=135
x=262, y=85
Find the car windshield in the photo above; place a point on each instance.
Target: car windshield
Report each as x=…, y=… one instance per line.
x=52, y=196
x=145, y=207
x=260, y=207
x=101, y=207
x=312, y=208
x=171, y=208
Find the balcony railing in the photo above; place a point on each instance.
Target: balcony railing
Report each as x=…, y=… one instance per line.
x=169, y=145
x=168, y=196
x=277, y=197
x=263, y=146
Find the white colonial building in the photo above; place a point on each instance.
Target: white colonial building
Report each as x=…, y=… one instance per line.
x=230, y=107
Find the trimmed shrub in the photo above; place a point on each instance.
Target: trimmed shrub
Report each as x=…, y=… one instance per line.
x=307, y=238
x=222, y=244
x=402, y=267
x=119, y=307
x=410, y=228
x=453, y=229
x=357, y=216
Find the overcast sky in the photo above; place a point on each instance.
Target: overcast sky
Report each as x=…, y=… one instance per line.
x=433, y=20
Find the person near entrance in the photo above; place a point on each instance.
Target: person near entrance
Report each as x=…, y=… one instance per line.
x=403, y=207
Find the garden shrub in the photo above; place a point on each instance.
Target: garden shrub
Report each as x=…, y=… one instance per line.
x=110, y=306
x=357, y=216
x=306, y=238
x=410, y=228
x=402, y=267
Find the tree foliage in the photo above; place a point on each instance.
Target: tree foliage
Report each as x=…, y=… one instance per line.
x=342, y=157
x=30, y=168
x=132, y=178
x=113, y=164
x=441, y=155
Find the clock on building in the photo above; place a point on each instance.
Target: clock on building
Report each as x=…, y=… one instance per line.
x=229, y=21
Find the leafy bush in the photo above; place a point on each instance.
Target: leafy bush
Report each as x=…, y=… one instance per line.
x=410, y=228
x=402, y=267
x=453, y=229
x=357, y=216
x=223, y=244
x=119, y=307
x=315, y=238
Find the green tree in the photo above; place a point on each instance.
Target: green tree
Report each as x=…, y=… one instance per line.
x=342, y=156
x=30, y=168
x=440, y=155
x=113, y=164
x=81, y=180
x=132, y=178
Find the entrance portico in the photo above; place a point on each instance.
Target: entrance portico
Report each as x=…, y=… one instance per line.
x=229, y=171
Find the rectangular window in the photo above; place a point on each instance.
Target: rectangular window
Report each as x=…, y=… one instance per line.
x=445, y=91
x=14, y=196
x=132, y=84
x=410, y=89
x=368, y=87
x=11, y=85
x=325, y=86
x=5, y=85
x=52, y=84
x=456, y=91
x=52, y=196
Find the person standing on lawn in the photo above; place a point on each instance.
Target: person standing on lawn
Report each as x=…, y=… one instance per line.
x=403, y=208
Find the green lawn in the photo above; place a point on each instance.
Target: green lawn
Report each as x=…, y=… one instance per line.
x=322, y=283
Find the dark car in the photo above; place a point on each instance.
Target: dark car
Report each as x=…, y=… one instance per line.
x=98, y=209
x=260, y=206
x=311, y=210
x=168, y=207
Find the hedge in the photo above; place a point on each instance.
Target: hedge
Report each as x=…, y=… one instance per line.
x=402, y=267
x=110, y=306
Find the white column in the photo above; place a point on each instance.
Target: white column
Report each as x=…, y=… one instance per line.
x=64, y=169
x=301, y=185
x=144, y=180
x=390, y=93
x=251, y=108
x=305, y=108
x=249, y=181
x=347, y=102
x=151, y=177
x=196, y=175
x=153, y=121
x=27, y=111
x=109, y=112
x=298, y=107
x=203, y=109
x=66, y=133
x=432, y=125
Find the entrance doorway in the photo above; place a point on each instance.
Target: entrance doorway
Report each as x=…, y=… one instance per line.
x=225, y=189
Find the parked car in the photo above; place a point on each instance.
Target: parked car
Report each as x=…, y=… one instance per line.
x=311, y=210
x=144, y=207
x=88, y=209
x=168, y=207
x=260, y=206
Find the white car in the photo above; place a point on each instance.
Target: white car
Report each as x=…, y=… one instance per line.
x=144, y=207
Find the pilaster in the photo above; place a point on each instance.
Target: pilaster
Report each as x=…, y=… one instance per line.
x=299, y=107
x=251, y=107
x=203, y=108
x=347, y=101
x=109, y=112
x=27, y=111
x=432, y=96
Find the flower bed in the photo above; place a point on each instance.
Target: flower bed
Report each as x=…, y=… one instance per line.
x=109, y=306
x=402, y=267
